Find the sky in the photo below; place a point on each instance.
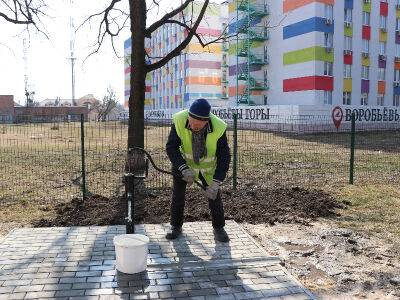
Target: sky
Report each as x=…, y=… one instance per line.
x=48, y=65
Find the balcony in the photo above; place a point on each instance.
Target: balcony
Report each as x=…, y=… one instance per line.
x=258, y=34
x=258, y=9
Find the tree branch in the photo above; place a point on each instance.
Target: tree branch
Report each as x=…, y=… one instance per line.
x=198, y=36
x=153, y=27
x=182, y=45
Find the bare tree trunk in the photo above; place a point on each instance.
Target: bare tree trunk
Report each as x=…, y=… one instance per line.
x=138, y=74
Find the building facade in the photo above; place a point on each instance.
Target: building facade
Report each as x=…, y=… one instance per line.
x=197, y=72
x=315, y=52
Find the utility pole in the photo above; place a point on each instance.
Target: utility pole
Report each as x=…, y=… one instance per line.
x=72, y=49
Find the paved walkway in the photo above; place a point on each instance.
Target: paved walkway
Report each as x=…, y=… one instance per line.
x=78, y=263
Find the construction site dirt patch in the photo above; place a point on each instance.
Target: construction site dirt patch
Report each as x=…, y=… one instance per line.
x=252, y=204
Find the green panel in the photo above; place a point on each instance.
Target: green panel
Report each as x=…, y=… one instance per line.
x=307, y=54
x=253, y=44
x=212, y=9
x=348, y=31
x=367, y=7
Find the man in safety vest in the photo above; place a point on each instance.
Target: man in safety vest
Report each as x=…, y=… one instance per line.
x=198, y=149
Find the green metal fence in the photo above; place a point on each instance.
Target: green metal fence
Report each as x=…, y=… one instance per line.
x=45, y=162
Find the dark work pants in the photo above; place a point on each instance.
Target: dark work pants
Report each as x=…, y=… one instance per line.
x=178, y=204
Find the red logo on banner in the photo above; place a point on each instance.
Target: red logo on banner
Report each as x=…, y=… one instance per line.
x=337, y=116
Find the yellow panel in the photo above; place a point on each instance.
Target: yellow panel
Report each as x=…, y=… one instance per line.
x=398, y=14
x=231, y=7
x=382, y=36
x=197, y=48
x=347, y=85
x=365, y=61
x=148, y=101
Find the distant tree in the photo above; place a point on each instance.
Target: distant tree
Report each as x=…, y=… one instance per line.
x=105, y=106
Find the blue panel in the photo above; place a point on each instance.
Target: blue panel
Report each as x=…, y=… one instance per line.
x=396, y=90
x=306, y=26
x=348, y=4
x=186, y=97
x=204, y=95
x=127, y=43
x=240, y=23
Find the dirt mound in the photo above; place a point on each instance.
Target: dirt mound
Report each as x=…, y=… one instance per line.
x=251, y=204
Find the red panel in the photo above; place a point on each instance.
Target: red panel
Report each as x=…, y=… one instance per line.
x=384, y=8
x=348, y=59
x=148, y=89
x=308, y=83
x=366, y=32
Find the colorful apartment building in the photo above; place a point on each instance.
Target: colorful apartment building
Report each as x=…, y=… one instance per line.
x=315, y=52
x=197, y=72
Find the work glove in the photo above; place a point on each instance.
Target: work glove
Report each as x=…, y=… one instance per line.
x=188, y=175
x=212, y=190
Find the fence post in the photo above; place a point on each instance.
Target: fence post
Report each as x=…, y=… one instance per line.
x=83, y=156
x=234, y=171
x=352, y=147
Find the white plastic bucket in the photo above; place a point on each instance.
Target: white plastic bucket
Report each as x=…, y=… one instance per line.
x=131, y=252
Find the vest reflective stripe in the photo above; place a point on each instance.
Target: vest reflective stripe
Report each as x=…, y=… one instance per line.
x=208, y=164
x=189, y=156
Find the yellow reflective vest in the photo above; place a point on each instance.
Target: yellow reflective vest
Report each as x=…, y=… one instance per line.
x=207, y=164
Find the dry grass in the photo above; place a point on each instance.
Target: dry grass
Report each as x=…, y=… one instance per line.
x=374, y=209
x=41, y=166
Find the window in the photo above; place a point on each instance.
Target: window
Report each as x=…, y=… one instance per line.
x=329, y=12
x=380, y=101
x=365, y=46
x=223, y=75
x=397, y=54
x=348, y=15
x=266, y=78
x=364, y=72
x=346, y=98
x=327, y=97
x=397, y=24
x=366, y=18
x=364, y=99
x=265, y=53
x=397, y=75
x=224, y=29
x=265, y=99
x=328, y=68
x=347, y=71
x=328, y=41
x=382, y=48
x=224, y=59
x=396, y=100
x=381, y=74
x=348, y=43
x=383, y=22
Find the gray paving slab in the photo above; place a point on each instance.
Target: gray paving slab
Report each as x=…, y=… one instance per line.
x=79, y=263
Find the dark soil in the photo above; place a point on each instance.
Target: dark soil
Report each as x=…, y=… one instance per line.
x=251, y=204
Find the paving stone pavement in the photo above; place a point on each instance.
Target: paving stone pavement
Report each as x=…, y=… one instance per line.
x=79, y=263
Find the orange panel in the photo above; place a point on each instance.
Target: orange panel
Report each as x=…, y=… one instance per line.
x=232, y=91
x=289, y=5
x=381, y=87
x=397, y=66
x=203, y=80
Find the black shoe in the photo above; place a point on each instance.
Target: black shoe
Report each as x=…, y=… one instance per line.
x=173, y=233
x=221, y=235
